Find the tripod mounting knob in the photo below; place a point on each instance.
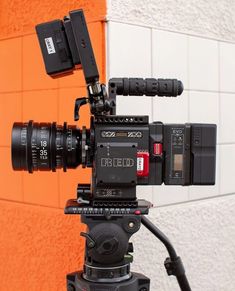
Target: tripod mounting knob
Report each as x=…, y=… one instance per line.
x=83, y=193
x=108, y=246
x=89, y=241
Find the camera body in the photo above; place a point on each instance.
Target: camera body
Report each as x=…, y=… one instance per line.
x=129, y=151
x=123, y=151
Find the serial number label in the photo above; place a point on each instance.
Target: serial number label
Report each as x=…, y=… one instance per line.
x=50, y=45
x=140, y=164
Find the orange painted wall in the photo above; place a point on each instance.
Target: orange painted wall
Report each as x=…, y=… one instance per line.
x=38, y=243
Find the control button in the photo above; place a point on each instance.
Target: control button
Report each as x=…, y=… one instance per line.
x=157, y=149
x=137, y=212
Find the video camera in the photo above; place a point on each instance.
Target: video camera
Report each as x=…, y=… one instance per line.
x=123, y=152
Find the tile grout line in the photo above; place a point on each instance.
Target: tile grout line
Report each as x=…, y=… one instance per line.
x=107, y=28
x=46, y=89
x=188, y=91
x=195, y=200
x=152, y=64
x=226, y=143
x=82, y=87
x=104, y=50
x=22, y=108
x=30, y=204
x=29, y=33
x=220, y=112
x=152, y=98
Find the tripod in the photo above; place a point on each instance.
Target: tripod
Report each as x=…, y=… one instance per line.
x=107, y=252
x=124, y=151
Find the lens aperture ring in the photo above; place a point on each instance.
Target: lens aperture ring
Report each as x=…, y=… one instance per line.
x=64, y=155
x=29, y=147
x=53, y=148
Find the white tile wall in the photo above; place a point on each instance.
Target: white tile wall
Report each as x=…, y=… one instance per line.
x=129, y=55
x=227, y=116
x=171, y=110
x=227, y=180
x=129, y=50
x=207, y=69
x=164, y=195
x=203, y=64
x=134, y=105
x=170, y=55
x=204, y=108
x=145, y=192
x=227, y=67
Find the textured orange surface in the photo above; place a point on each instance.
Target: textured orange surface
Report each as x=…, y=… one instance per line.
x=18, y=17
x=11, y=65
x=39, y=246
x=38, y=243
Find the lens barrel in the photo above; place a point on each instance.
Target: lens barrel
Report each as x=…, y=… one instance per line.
x=45, y=146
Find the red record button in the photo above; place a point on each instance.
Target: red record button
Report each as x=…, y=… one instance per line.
x=137, y=212
x=157, y=149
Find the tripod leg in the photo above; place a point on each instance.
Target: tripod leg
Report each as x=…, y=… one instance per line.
x=173, y=264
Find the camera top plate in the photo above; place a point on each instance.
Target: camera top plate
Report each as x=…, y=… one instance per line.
x=73, y=207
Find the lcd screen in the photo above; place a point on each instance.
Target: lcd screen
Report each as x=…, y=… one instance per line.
x=178, y=162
